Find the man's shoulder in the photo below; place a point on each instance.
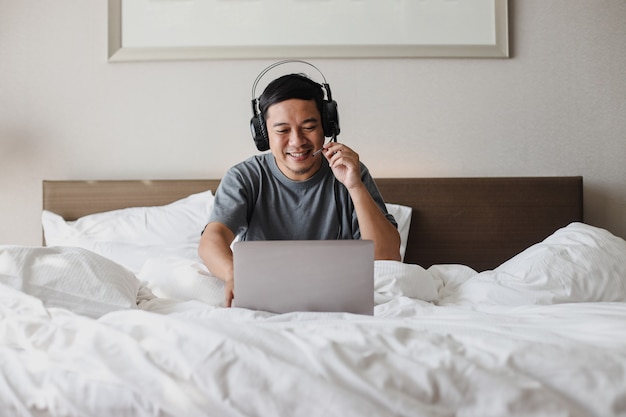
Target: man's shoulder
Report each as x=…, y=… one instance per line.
x=250, y=170
x=255, y=163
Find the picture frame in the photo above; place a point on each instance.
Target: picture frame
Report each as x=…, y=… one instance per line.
x=148, y=30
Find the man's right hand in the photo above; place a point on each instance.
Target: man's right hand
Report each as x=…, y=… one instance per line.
x=214, y=249
x=229, y=287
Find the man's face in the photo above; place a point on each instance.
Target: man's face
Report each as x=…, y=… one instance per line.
x=295, y=131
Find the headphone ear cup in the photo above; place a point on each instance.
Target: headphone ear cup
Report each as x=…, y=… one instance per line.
x=259, y=133
x=330, y=119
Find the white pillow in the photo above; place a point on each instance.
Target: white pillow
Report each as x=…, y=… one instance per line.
x=394, y=279
x=132, y=235
x=578, y=263
x=178, y=278
x=71, y=278
x=134, y=257
x=402, y=214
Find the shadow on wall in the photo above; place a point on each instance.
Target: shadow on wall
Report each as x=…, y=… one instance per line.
x=21, y=152
x=600, y=205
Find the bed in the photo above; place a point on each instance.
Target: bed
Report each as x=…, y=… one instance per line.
x=506, y=303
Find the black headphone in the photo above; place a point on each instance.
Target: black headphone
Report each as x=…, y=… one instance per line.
x=330, y=117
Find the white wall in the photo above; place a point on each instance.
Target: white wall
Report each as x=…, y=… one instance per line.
x=557, y=107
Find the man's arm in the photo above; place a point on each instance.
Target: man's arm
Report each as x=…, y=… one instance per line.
x=215, y=252
x=374, y=225
x=372, y=222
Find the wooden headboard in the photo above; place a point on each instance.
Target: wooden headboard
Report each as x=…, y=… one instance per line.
x=479, y=222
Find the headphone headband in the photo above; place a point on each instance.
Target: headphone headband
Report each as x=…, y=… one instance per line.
x=287, y=61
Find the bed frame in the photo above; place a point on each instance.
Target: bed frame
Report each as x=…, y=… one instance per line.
x=479, y=222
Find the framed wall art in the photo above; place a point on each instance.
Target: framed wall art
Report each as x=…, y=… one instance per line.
x=240, y=29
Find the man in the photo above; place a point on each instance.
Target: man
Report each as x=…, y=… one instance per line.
x=295, y=192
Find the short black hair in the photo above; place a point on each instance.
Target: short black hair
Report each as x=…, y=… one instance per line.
x=288, y=87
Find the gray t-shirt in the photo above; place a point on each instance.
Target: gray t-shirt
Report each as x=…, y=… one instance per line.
x=256, y=201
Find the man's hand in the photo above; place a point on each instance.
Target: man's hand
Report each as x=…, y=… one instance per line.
x=229, y=294
x=344, y=163
x=214, y=249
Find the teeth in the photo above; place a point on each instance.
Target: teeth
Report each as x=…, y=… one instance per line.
x=297, y=155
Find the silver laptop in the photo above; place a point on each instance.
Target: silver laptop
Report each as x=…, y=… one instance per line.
x=282, y=276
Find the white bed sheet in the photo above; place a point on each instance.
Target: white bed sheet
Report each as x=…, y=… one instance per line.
x=413, y=358
x=433, y=348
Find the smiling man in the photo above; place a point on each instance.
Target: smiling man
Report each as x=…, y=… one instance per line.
x=303, y=189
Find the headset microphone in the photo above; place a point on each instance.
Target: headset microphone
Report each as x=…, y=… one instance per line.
x=330, y=116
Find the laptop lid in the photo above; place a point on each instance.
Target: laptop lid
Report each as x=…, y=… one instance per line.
x=282, y=276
